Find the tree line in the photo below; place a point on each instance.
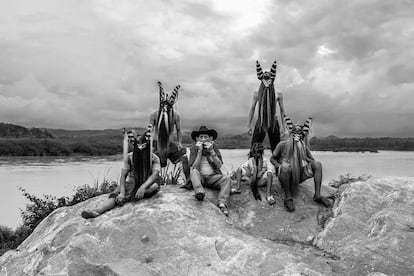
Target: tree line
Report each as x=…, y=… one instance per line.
x=111, y=143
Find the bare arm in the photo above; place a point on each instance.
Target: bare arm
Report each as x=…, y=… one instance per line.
x=251, y=111
x=276, y=156
x=151, y=179
x=124, y=172
x=309, y=155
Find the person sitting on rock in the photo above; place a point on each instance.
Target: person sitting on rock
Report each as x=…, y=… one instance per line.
x=139, y=175
x=205, y=164
x=294, y=163
x=257, y=171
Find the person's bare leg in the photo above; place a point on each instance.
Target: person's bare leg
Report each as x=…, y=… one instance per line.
x=269, y=180
x=317, y=179
x=284, y=179
x=196, y=183
x=186, y=170
x=236, y=189
x=102, y=208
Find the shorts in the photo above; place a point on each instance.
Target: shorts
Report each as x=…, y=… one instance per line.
x=129, y=188
x=246, y=178
x=306, y=172
x=174, y=154
x=129, y=191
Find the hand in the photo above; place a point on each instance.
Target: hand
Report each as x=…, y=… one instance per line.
x=120, y=199
x=180, y=146
x=140, y=193
x=209, y=146
x=249, y=131
x=199, y=146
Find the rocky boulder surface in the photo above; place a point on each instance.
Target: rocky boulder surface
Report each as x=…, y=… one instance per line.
x=369, y=231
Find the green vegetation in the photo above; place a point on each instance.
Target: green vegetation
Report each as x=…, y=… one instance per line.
x=332, y=143
x=170, y=176
x=15, y=131
x=20, y=141
x=39, y=208
x=89, y=146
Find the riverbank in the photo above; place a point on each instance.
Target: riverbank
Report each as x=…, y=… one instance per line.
x=111, y=144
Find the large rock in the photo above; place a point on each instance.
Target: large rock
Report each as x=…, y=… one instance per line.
x=173, y=234
x=373, y=227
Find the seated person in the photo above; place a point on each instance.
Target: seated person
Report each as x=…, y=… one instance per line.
x=139, y=174
x=256, y=172
x=294, y=164
x=205, y=164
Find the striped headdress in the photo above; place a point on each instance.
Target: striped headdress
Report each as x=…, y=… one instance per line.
x=266, y=98
x=165, y=120
x=306, y=127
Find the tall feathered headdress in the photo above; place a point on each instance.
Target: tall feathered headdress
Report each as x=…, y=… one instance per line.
x=266, y=97
x=165, y=120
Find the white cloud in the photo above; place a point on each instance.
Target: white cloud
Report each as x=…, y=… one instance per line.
x=95, y=64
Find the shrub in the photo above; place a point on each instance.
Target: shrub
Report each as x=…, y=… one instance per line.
x=170, y=176
x=39, y=208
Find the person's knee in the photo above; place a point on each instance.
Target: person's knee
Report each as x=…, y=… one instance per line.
x=194, y=173
x=316, y=165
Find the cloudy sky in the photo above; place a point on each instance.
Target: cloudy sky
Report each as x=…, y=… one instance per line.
x=94, y=64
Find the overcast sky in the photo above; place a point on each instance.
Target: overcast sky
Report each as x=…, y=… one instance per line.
x=94, y=64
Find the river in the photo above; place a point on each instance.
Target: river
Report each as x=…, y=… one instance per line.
x=59, y=175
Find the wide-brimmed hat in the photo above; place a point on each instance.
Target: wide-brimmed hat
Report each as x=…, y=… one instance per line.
x=204, y=130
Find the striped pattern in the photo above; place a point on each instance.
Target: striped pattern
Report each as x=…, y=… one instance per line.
x=307, y=125
x=162, y=93
x=259, y=70
x=273, y=70
x=174, y=94
x=148, y=133
x=289, y=124
x=169, y=99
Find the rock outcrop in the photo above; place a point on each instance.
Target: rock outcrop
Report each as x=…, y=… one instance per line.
x=372, y=228
x=369, y=231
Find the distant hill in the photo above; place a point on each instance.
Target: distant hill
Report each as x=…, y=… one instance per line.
x=16, y=131
x=64, y=133
x=17, y=140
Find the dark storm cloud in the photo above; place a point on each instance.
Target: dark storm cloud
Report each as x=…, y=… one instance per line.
x=96, y=64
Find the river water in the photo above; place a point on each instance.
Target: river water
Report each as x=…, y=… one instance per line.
x=59, y=176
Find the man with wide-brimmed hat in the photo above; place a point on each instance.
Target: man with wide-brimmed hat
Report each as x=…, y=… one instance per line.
x=205, y=163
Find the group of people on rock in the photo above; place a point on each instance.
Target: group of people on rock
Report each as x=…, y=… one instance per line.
x=291, y=160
